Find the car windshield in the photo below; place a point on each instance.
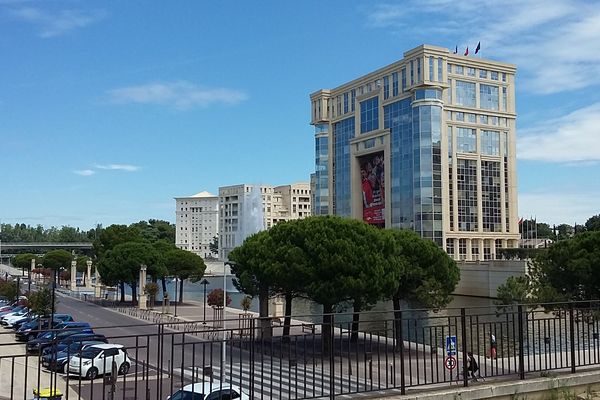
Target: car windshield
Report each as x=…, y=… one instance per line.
x=47, y=335
x=185, y=395
x=90, y=353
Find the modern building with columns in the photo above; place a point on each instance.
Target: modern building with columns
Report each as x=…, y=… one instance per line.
x=426, y=143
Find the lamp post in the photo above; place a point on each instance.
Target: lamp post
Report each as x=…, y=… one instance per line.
x=176, y=279
x=204, y=283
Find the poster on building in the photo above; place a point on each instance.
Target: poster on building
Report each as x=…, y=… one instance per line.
x=373, y=188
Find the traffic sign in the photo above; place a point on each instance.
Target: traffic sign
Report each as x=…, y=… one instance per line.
x=450, y=363
x=451, y=345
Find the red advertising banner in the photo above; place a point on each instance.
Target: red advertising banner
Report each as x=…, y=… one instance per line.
x=373, y=188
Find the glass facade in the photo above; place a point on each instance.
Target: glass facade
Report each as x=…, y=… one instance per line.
x=465, y=94
x=427, y=175
x=488, y=97
x=369, y=115
x=343, y=131
x=397, y=118
x=395, y=84
x=490, y=196
x=466, y=140
x=321, y=187
x=466, y=173
x=386, y=87
x=490, y=143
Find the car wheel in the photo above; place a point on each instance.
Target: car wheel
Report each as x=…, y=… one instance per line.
x=124, y=369
x=92, y=373
x=62, y=368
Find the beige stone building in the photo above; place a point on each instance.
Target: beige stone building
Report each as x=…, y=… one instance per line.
x=426, y=143
x=196, y=223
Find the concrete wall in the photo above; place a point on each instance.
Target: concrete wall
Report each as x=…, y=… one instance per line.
x=560, y=387
x=483, y=278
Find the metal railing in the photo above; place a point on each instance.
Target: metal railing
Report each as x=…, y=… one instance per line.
x=408, y=349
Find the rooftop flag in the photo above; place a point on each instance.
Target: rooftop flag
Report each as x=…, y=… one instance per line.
x=467, y=51
x=456, y=50
x=478, y=47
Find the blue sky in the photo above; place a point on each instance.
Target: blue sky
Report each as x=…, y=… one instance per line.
x=110, y=109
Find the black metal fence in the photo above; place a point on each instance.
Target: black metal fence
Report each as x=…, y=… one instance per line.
x=416, y=349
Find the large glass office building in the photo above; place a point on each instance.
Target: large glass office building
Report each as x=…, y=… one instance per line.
x=426, y=143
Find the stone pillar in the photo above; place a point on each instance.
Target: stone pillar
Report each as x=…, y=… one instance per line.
x=142, y=302
x=73, y=275
x=97, y=287
x=469, y=251
x=88, y=276
x=31, y=268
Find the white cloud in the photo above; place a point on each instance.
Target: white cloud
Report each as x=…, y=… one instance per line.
x=59, y=23
x=573, y=138
x=85, y=172
x=559, y=207
x=119, y=167
x=181, y=95
x=555, y=44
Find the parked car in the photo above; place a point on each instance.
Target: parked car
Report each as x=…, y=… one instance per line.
x=12, y=310
x=97, y=360
x=208, y=391
x=71, y=325
x=78, y=337
x=50, y=338
x=10, y=318
x=30, y=330
x=58, y=361
x=6, y=308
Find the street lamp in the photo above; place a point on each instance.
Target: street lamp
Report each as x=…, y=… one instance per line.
x=204, y=283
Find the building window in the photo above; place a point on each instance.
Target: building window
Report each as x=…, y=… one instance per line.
x=403, y=79
x=449, y=91
x=465, y=94
x=494, y=75
x=439, y=69
x=490, y=143
x=458, y=116
x=470, y=71
x=345, y=102
x=418, y=70
x=386, y=87
x=369, y=115
x=449, y=68
x=488, y=97
x=352, y=99
x=466, y=140
x=504, y=100
x=459, y=69
x=483, y=74
x=471, y=118
x=450, y=247
x=504, y=77
x=431, y=76
x=483, y=119
x=412, y=73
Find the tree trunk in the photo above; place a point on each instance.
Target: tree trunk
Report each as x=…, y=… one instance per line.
x=133, y=294
x=355, y=320
x=397, y=320
x=164, y=286
x=122, y=292
x=287, y=321
x=263, y=312
x=327, y=328
x=180, y=291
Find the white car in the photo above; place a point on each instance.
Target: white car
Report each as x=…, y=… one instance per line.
x=98, y=360
x=10, y=318
x=209, y=391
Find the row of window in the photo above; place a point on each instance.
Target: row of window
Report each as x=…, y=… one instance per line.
x=473, y=72
x=466, y=141
x=465, y=94
x=476, y=118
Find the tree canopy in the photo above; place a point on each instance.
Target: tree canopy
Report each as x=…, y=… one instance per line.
x=57, y=259
x=23, y=261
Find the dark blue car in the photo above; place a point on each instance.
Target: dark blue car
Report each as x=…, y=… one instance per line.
x=51, y=338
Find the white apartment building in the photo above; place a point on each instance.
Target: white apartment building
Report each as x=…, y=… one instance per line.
x=197, y=223
x=246, y=209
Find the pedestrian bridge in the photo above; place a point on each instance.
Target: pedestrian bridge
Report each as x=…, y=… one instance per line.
x=46, y=246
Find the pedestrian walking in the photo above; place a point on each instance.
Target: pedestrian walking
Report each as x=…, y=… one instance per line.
x=493, y=346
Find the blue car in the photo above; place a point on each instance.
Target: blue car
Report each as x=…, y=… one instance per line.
x=30, y=330
x=50, y=338
x=78, y=337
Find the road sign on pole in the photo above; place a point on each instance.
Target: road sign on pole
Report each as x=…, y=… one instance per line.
x=450, y=363
x=451, y=345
